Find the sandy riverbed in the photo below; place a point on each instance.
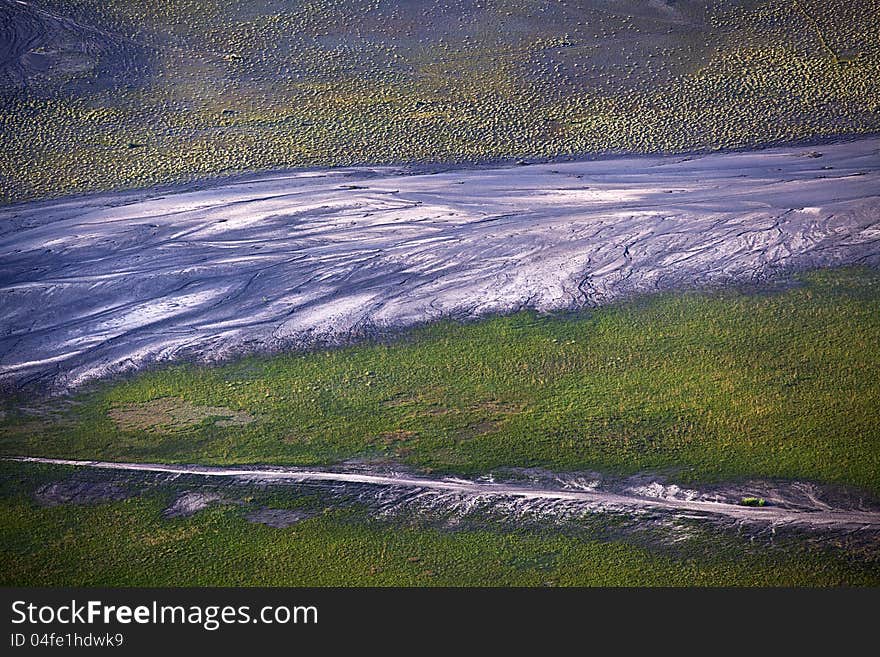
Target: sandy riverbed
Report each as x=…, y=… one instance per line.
x=91, y=286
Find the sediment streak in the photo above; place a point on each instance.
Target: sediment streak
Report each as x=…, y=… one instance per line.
x=820, y=517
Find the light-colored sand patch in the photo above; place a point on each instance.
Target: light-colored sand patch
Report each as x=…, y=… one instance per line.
x=190, y=503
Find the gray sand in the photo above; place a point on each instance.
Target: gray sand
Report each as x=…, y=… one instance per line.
x=96, y=285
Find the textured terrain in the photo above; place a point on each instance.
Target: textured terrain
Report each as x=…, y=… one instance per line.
x=101, y=284
x=185, y=528
x=795, y=505
x=111, y=94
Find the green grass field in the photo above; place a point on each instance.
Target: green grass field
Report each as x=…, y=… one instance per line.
x=704, y=386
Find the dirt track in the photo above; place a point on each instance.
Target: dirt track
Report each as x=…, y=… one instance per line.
x=462, y=492
x=96, y=285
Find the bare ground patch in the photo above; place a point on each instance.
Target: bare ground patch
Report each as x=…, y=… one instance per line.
x=395, y=436
x=495, y=407
x=190, y=503
x=492, y=414
x=478, y=429
x=171, y=413
x=75, y=491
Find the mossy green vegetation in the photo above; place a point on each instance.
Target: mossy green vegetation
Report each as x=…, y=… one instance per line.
x=781, y=382
x=129, y=543
x=178, y=90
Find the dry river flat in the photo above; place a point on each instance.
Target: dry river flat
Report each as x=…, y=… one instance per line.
x=95, y=285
